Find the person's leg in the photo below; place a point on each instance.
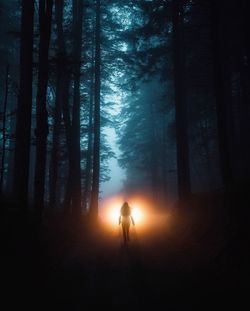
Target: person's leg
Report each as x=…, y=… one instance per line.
x=128, y=232
x=124, y=233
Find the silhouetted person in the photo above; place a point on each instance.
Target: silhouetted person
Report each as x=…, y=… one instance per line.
x=125, y=219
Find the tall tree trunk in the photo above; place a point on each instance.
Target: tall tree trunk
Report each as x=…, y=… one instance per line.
x=88, y=178
x=223, y=95
x=236, y=205
x=24, y=107
x=153, y=154
x=163, y=160
x=182, y=143
x=75, y=135
x=244, y=114
x=67, y=124
x=97, y=129
x=245, y=87
x=4, y=127
x=65, y=83
x=244, y=7
x=11, y=154
x=45, y=15
x=60, y=68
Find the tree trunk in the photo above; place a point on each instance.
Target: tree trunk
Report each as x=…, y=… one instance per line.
x=153, y=154
x=88, y=168
x=182, y=143
x=245, y=86
x=24, y=107
x=45, y=14
x=244, y=115
x=96, y=158
x=75, y=134
x=244, y=6
x=59, y=4
x=223, y=95
x=65, y=83
x=67, y=124
x=4, y=127
x=11, y=154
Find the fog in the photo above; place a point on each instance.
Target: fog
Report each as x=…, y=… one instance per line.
x=117, y=174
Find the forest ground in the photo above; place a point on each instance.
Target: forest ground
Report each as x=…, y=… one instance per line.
x=189, y=260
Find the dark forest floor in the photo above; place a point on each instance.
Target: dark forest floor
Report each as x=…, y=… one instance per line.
x=192, y=262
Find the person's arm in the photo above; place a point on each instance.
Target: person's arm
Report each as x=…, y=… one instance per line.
x=133, y=222
x=120, y=220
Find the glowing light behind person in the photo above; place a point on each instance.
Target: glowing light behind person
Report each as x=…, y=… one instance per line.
x=110, y=210
x=137, y=214
x=150, y=223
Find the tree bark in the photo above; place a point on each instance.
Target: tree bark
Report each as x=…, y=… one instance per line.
x=45, y=15
x=88, y=178
x=153, y=154
x=75, y=135
x=96, y=157
x=65, y=80
x=67, y=124
x=223, y=95
x=60, y=68
x=182, y=143
x=24, y=107
x=245, y=86
x=4, y=127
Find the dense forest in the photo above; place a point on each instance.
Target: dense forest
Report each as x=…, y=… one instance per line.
x=172, y=77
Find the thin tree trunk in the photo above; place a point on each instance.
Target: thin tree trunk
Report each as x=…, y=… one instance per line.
x=96, y=159
x=67, y=124
x=4, y=126
x=153, y=154
x=65, y=80
x=55, y=144
x=11, y=154
x=45, y=15
x=244, y=13
x=244, y=114
x=75, y=137
x=164, y=160
x=182, y=143
x=245, y=86
x=90, y=139
x=223, y=96
x=59, y=4
x=23, y=122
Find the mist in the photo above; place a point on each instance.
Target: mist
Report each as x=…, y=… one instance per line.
x=124, y=154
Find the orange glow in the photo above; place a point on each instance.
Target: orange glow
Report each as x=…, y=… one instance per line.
x=150, y=224
x=113, y=214
x=137, y=214
x=110, y=210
